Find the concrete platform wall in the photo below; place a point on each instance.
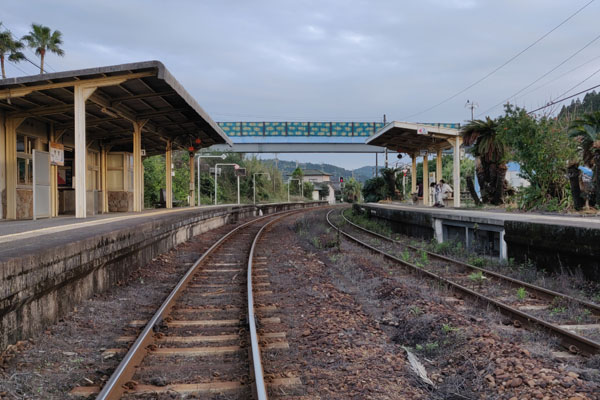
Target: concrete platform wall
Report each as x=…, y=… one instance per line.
x=553, y=247
x=37, y=289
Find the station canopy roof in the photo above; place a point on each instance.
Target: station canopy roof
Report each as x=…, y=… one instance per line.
x=144, y=91
x=410, y=138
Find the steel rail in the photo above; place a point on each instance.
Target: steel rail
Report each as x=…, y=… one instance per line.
x=113, y=388
x=261, y=391
x=541, y=291
x=579, y=343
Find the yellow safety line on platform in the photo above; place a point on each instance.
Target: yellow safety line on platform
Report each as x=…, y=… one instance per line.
x=52, y=229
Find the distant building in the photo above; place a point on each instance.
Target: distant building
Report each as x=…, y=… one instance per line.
x=323, y=187
x=315, y=175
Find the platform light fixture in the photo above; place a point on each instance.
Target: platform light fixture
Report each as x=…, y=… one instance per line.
x=222, y=156
x=217, y=170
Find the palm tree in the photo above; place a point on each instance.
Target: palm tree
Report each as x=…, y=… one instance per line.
x=389, y=175
x=352, y=191
x=586, y=131
x=490, y=152
x=42, y=39
x=11, y=47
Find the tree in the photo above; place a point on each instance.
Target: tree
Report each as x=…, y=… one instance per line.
x=374, y=190
x=308, y=188
x=154, y=180
x=295, y=185
x=42, y=39
x=11, y=48
x=389, y=175
x=351, y=191
x=543, y=150
x=490, y=152
x=586, y=131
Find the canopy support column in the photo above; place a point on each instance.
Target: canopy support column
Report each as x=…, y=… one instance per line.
x=138, y=198
x=438, y=164
x=413, y=174
x=81, y=94
x=456, y=142
x=11, y=125
x=168, y=177
x=53, y=179
x=426, y=179
x=192, y=182
x=103, y=179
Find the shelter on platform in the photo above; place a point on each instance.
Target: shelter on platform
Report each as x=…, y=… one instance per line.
x=417, y=140
x=74, y=141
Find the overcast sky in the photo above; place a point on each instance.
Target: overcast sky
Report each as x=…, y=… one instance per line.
x=331, y=60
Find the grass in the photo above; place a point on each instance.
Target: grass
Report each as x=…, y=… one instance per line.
x=521, y=293
x=368, y=223
x=448, y=328
x=477, y=276
x=405, y=255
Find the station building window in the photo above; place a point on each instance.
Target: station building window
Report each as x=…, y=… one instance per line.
x=24, y=160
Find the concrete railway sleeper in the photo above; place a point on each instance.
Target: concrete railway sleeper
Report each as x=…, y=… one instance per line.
x=207, y=319
x=489, y=287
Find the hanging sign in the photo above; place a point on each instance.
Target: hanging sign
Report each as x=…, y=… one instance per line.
x=422, y=131
x=57, y=154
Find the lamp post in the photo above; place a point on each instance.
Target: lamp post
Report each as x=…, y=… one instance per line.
x=222, y=156
x=299, y=183
x=254, y=182
x=216, y=170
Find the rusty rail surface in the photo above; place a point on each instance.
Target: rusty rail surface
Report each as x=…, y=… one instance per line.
x=575, y=343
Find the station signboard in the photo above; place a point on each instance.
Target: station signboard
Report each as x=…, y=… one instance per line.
x=57, y=154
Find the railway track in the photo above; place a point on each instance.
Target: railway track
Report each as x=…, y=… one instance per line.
x=203, y=340
x=573, y=321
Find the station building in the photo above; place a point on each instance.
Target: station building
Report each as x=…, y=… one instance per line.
x=73, y=142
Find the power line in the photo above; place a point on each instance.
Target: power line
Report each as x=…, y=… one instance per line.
x=502, y=65
x=14, y=64
x=563, y=99
x=583, y=81
x=558, y=77
x=543, y=76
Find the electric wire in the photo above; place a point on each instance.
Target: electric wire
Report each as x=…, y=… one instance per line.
x=558, y=77
x=14, y=64
x=563, y=99
x=502, y=65
x=542, y=76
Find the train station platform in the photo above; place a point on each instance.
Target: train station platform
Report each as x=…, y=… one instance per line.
x=21, y=237
x=553, y=241
x=48, y=266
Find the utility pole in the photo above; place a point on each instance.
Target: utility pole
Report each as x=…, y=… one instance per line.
x=472, y=105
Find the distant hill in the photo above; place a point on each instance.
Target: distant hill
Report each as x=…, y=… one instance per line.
x=360, y=174
x=590, y=103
